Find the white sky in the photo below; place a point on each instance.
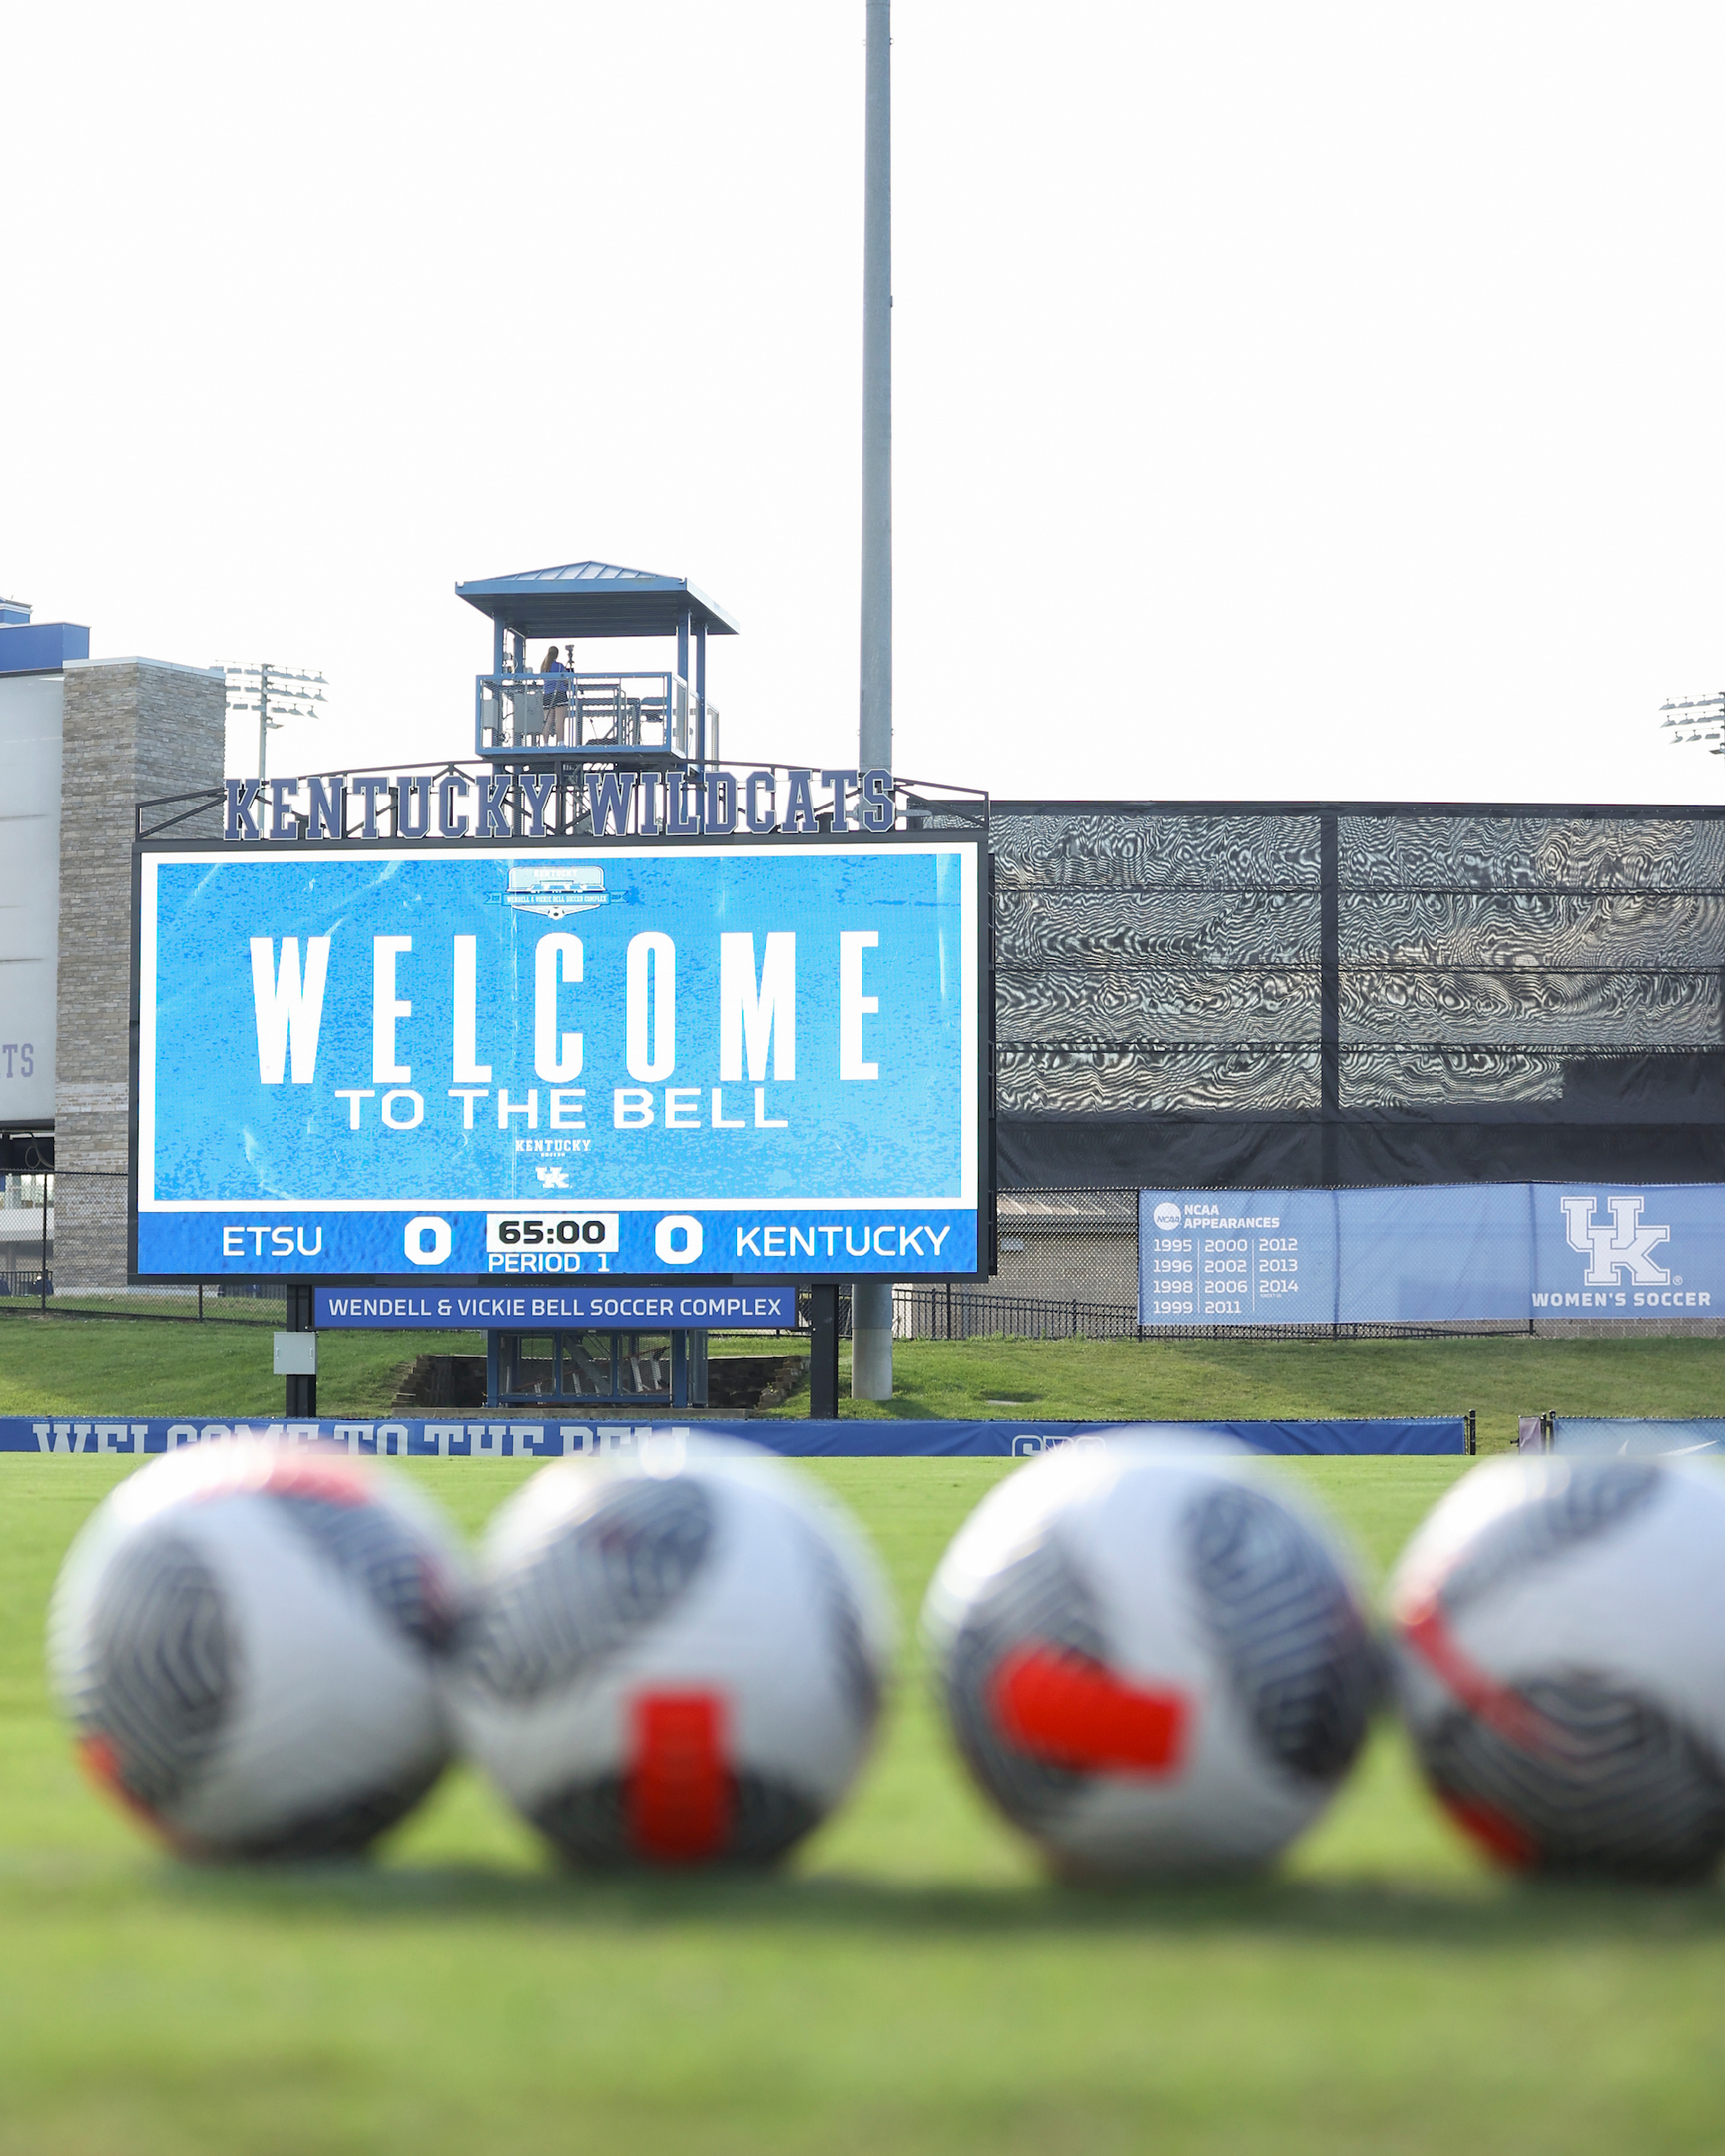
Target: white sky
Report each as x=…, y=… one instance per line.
x=1289, y=399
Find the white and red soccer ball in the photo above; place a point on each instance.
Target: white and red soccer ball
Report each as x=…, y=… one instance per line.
x=677, y=1659
x=1151, y=1661
x=247, y=1640
x=1559, y=1629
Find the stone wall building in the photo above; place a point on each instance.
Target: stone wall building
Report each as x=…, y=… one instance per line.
x=85, y=740
x=133, y=730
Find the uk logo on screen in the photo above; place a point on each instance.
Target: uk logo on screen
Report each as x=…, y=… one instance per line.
x=1619, y=1243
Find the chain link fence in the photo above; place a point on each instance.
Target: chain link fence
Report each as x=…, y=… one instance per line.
x=63, y=1254
x=1066, y=1247
x=26, y=1236
x=1067, y=1267
x=1067, y=1270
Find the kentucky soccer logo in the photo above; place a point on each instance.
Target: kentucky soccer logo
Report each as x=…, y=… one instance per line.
x=1609, y=1246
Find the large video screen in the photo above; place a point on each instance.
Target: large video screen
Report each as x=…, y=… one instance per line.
x=706, y=1061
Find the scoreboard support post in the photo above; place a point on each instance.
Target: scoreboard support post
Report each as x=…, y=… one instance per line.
x=302, y=1317
x=823, y=1352
x=689, y=1367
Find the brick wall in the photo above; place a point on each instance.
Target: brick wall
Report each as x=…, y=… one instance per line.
x=134, y=729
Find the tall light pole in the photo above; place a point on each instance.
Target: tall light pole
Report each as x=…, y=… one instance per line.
x=267, y=690
x=871, y=1300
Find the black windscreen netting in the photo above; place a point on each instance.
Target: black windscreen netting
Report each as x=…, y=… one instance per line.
x=1329, y=994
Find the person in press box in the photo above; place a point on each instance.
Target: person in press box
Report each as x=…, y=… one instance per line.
x=556, y=692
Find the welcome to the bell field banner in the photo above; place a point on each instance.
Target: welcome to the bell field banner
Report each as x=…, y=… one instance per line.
x=516, y=1437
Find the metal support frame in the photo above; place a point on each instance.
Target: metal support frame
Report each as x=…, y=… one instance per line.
x=572, y=1394
x=683, y=677
x=302, y=1402
x=610, y=716
x=1329, y=994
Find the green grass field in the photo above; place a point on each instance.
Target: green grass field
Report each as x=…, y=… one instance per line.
x=87, y=1365
x=912, y=1983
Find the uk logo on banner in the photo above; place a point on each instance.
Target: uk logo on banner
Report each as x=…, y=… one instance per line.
x=1610, y=1246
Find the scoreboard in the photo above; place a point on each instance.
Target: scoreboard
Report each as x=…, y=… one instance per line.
x=478, y=1062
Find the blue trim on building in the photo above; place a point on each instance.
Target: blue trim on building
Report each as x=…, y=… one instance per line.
x=40, y=647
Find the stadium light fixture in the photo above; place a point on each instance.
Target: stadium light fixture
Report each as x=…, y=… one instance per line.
x=276, y=693
x=1697, y=719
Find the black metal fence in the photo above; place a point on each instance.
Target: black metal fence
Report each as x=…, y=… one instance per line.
x=32, y=1295
x=63, y=1255
x=958, y=1312
x=26, y=1234
x=1068, y=1268
x=950, y=1312
x=1082, y=1241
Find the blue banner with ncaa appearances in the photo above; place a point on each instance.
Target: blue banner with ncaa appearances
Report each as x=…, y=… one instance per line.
x=1429, y=1256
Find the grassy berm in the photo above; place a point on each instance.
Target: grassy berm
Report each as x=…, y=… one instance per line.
x=911, y=1982
x=94, y=1365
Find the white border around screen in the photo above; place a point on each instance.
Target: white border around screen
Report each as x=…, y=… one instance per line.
x=233, y=858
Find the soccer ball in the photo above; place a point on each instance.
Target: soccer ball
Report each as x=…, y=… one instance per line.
x=245, y=1640
x=1151, y=1661
x=1559, y=1649
x=671, y=1659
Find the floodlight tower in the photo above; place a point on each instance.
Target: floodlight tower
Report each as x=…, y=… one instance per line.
x=268, y=689
x=871, y=1300
x=1697, y=719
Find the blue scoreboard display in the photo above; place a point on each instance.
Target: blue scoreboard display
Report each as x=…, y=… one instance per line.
x=698, y=1061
